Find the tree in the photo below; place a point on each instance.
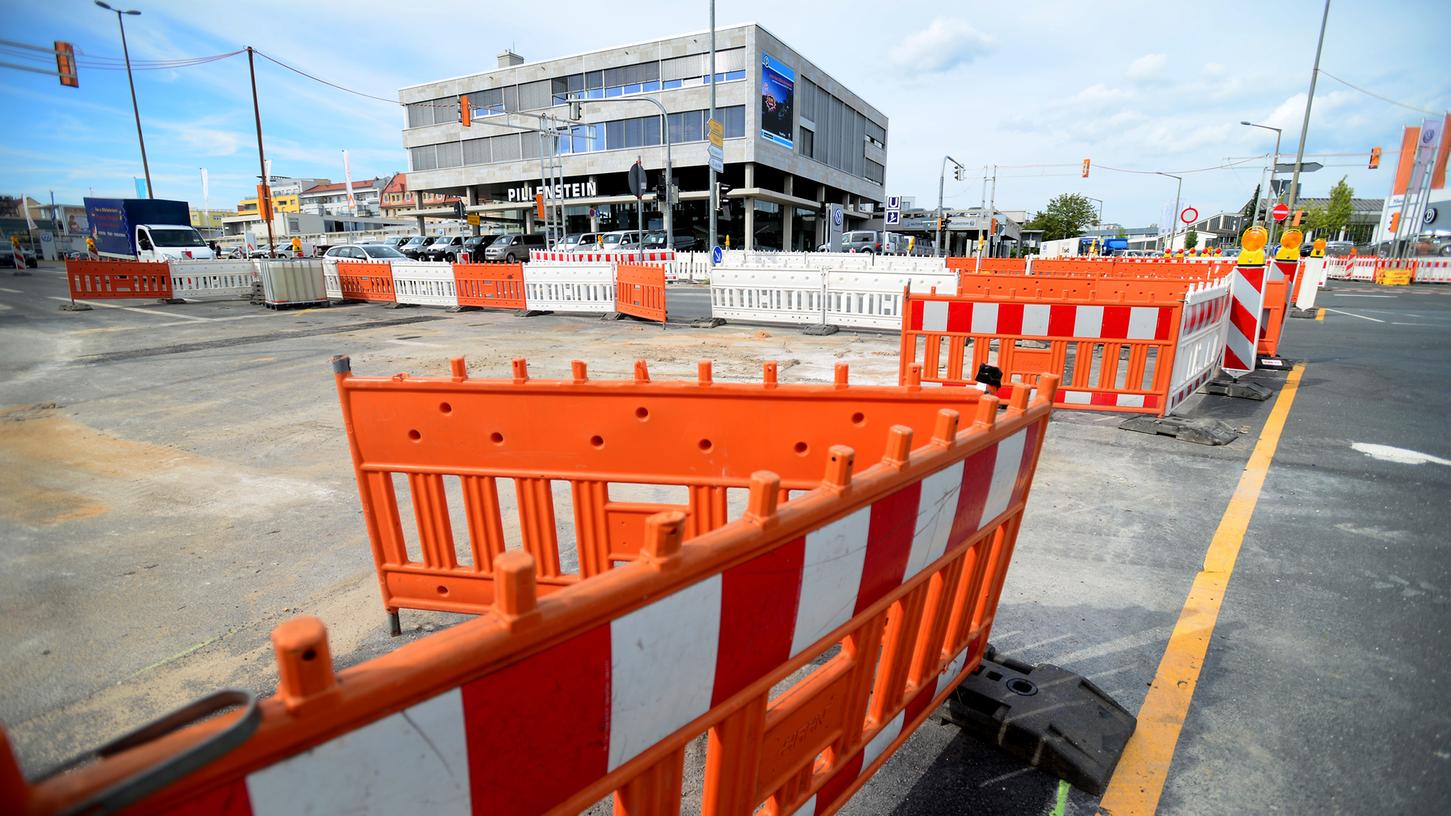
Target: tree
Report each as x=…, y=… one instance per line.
x=1191, y=239
x=1066, y=216
x=1337, y=213
x=1248, y=211
x=1316, y=219
x=1122, y=233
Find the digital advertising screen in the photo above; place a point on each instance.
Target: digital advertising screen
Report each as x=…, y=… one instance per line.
x=778, y=89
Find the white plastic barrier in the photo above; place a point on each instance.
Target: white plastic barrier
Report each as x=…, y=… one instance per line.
x=1203, y=326
x=424, y=283
x=293, y=282
x=1363, y=269
x=755, y=259
x=1433, y=271
x=212, y=280
x=1312, y=277
x=689, y=266
x=330, y=282
x=874, y=299
x=768, y=295
x=575, y=287
x=909, y=263
x=649, y=256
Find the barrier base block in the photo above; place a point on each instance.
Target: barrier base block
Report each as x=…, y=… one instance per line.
x=1306, y=314
x=1054, y=720
x=74, y=307
x=457, y=309
x=707, y=323
x=531, y=312
x=1240, y=389
x=396, y=305
x=820, y=331
x=612, y=316
x=1198, y=431
x=1274, y=363
x=172, y=301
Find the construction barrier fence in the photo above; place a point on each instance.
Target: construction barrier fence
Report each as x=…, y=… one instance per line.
x=640, y=291
x=212, y=280
x=115, y=280
x=549, y=703
x=490, y=285
x=1185, y=268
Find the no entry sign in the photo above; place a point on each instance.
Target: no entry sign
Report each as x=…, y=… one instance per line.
x=1281, y=211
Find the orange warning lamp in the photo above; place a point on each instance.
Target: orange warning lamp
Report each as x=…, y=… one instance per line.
x=1252, y=246
x=1317, y=249
x=1290, y=245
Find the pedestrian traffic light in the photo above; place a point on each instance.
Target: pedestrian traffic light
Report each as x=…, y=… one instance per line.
x=1085, y=168
x=1374, y=158
x=458, y=209
x=65, y=64
x=465, y=116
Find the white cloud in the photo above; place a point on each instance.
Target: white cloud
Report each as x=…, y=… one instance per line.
x=1148, y=68
x=943, y=45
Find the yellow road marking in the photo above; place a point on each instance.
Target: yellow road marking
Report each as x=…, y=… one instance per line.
x=1138, y=781
x=1319, y=314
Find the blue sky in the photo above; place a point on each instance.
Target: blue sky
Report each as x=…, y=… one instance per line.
x=1149, y=86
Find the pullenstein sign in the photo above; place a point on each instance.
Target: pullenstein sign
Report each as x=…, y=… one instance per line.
x=586, y=189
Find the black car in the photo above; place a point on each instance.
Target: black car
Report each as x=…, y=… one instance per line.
x=655, y=239
x=474, y=246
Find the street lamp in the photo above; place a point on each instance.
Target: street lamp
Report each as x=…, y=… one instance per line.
x=1174, y=224
x=1273, y=162
x=576, y=113
x=146, y=168
x=941, y=178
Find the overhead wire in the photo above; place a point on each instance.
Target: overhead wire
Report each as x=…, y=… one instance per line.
x=1386, y=99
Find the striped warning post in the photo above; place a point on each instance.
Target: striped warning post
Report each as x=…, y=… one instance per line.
x=1247, y=298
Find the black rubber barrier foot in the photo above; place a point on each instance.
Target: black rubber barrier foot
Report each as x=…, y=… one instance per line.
x=395, y=626
x=1052, y=719
x=819, y=331
x=530, y=312
x=1274, y=363
x=74, y=307
x=1198, y=431
x=1308, y=314
x=396, y=305
x=612, y=316
x=457, y=309
x=172, y=301
x=1239, y=389
x=707, y=323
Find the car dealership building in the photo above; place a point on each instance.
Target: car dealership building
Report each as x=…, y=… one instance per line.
x=796, y=141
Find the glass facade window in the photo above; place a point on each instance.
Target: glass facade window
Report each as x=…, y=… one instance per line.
x=424, y=158
x=450, y=154
x=505, y=148
x=806, y=145
x=476, y=151
x=875, y=172
x=534, y=95
x=733, y=119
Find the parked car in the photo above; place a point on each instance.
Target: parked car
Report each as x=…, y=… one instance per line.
x=396, y=241
x=513, y=248
x=7, y=257
x=474, y=246
x=364, y=252
x=416, y=245
x=869, y=241
x=579, y=242
x=618, y=241
x=445, y=248
x=1338, y=249
x=655, y=239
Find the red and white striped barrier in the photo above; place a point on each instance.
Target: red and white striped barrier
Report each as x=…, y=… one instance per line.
x=1247, y=292
x=1433, y=271
x=653, y=256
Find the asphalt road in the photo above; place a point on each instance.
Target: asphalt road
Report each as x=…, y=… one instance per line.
x=176, y=482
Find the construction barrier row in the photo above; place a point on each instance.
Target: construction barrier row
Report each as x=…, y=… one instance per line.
x=1109, y=266
x=869, y=595
x=1420, y=270
x=817, y=297
x=647, y=256
x=1116, y=357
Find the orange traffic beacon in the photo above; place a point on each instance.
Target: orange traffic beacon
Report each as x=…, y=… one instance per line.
x=807, y=634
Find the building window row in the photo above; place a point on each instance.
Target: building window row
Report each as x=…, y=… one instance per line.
x=617, y=134
x=834, y=133
x=625, y=80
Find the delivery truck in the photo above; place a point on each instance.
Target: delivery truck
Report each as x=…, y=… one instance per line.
x=145, y=229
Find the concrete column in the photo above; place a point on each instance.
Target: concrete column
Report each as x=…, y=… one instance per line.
x=787, y=211
x=749, y=239
x=471, y=197
x=418, y=205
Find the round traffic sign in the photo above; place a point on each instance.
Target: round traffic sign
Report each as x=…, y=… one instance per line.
x=1189, y=216
x=1281, y=211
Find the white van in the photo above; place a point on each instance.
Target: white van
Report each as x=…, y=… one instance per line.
x=170, y=242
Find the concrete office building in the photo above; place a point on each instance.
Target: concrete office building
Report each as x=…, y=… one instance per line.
x=796, y=140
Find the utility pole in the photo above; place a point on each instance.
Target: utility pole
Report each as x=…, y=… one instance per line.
x=992, y=207
x=1309, y=98
x=714, y=191
x=1174, y=217
x=939, y=250
x=145, y=167
x=261, y=156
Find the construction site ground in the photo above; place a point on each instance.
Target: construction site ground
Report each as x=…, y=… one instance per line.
x=175, y=481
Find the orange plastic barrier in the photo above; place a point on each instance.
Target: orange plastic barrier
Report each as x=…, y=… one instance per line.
x=1044, y=287
x=360, y=280
x=115, y=280
x=874, y=590
x=640, y=291
x=490, y=285
x=1010, y=266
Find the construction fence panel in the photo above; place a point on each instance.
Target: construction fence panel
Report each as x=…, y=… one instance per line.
x=648, y=256
x=1037, y=288
x=1108, y=357
x=490, y=285
x=116, y=280
x=580, y=286
x=873, y=593
x=424, y=283
x=1200, y=348
x=640, y=291
x=366, y=281
x=1433, y=271
x=689, y=266
x=212, y=280
x=874, y=299
x=294, y=282
x=913, y=264
x=768, y=295
x=332, y=284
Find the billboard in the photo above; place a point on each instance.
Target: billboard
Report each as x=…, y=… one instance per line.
x=778, y=91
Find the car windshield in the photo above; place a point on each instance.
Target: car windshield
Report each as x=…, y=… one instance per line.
x=615, y=238
x=655, y=239
x=381, y=251
x=415, y=241
x=177, y=237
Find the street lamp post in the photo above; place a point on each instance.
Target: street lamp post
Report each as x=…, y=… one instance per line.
x=1273, y=161
x=941, y=179
x=666, y=207
x=146, y=168
x=1174, y=224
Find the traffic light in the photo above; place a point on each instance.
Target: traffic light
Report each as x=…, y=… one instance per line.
x=995, y=226
x=1374, y=158
x=65, y=64
x=576, y=110
x=465, y=116
x=458, y=209
x=1295, y=222
x=1085, y=168
x=958, y=172
x=1395, y=221
x=721, y=188
x=264, y=202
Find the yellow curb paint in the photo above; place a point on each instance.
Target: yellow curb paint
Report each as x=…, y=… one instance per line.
x=1319, y=314
x=1138, y=782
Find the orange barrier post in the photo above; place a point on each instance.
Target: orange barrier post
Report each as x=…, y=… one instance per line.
x=892, y=560
x=640, y=291
x=1281, y=282
x=490, y=285
x=367, y=281
x=114, y=280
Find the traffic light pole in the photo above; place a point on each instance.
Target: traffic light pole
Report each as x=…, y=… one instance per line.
x=714, y=193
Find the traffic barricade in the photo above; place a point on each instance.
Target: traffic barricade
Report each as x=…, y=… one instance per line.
x=579, y=286
x=1109, y=355
x=489, y=285
x=874, y=299
x=212, y=280
x=872, y=593
x=1432, y=271
x=1007, y=266
x=296, y=282
x=648, y=256
x=640, y=291
x=366, y=281
x=768, y=295
x=424, y=283
x=116, y=280
x=1040, y=288
x=1282, y=279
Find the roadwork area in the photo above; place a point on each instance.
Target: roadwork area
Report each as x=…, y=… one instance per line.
x=175, y=481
